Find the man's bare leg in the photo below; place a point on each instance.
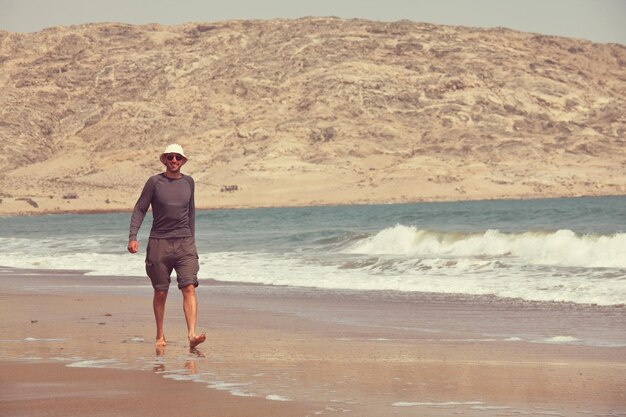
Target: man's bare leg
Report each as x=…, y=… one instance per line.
x=190, y=307
x=158, y=304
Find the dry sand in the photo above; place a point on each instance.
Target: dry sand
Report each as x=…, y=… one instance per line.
x=328, y=353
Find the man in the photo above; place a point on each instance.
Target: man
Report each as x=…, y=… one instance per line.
x=171, y=245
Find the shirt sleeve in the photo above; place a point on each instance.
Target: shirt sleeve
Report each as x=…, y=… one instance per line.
x=140, y=210
x=192, y=209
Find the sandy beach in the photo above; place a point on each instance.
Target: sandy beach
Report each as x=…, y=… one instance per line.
x=73, y=344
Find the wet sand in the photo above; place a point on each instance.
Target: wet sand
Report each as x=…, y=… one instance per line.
x=75, y=344
x=45, y=389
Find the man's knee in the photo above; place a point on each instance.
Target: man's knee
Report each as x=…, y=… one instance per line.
x=189, y=289
x=160, y=294
x=186, y=282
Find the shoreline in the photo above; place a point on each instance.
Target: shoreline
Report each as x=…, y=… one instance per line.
x=322, y=352
x=141, y=281
x=129, y=209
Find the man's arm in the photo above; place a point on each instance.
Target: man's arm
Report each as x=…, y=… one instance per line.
x=192, y=210
x=139, y=213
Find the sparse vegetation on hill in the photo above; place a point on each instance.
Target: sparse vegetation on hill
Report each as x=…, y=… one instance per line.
x=311, y=111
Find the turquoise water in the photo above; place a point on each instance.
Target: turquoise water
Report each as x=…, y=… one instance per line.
x=571, y=250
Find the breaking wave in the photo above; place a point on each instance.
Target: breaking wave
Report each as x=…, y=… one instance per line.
x=561, y=248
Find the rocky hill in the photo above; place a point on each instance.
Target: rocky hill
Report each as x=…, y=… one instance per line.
x=308, y=111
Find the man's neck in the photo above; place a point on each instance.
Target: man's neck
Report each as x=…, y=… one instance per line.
x=173, y=175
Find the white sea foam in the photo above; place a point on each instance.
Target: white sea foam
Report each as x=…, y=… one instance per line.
x=274, y=397
x=434, y=404
x=570, y=340
x=557, y=266
x=237, y=393
x=404, y=404
x=95, y=363
x=560, y=340
x=513, y=339
x=560, y=248
x=34, y=339
x=441, y=275
x=491, y=407
x=180, y=376
x=233, y=388
x=68, y=253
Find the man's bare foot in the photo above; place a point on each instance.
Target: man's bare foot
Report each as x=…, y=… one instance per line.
x=160, y=350
x=160, y=342
x=196, y=340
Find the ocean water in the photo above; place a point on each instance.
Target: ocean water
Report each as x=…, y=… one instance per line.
x=552, y=250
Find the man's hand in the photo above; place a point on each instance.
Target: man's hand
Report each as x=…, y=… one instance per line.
x=133, y=246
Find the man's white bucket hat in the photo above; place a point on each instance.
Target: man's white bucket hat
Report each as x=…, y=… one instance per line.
x=173, y=148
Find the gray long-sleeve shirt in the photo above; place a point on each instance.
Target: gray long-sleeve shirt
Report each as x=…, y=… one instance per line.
x=173, y=207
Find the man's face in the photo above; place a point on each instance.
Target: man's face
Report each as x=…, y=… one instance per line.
x=174, y=161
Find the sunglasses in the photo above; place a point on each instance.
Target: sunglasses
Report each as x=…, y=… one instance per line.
x=171, y=157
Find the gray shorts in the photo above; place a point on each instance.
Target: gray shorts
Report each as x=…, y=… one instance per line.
x=165, y=255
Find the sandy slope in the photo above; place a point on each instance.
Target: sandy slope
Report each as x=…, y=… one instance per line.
x=308, y=111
